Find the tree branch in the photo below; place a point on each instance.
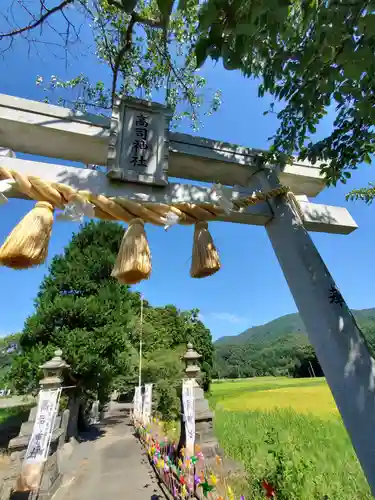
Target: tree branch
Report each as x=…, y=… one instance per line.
x=125, y=48
x=39, y=21
x=180, y=80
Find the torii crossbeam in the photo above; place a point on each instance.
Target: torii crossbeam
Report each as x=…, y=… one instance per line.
x=45, y=130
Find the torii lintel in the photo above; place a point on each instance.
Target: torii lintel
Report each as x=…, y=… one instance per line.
x=46, y=130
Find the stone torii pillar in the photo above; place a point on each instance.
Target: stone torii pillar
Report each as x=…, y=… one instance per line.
x=332, y=329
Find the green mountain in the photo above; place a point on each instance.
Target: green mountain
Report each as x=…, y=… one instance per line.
x=285, y=325
x=280, y=347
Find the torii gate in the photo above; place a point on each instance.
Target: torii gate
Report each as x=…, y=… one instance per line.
x=46, y=130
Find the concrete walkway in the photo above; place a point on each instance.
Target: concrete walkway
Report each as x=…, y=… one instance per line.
x=109, y=466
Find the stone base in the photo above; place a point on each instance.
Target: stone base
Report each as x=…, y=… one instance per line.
x=51, y=480
x=42, y=494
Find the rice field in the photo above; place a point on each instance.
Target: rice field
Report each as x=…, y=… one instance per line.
x=308, y=395
x=288, y=432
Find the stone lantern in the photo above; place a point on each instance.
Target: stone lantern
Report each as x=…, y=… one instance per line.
x=51, y=475
x=52, y=371
x=191, y=357
x=204, y=436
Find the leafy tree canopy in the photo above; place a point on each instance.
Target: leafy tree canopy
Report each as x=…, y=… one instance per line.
x=9, y=346
x=311, y=56
x=95, y=320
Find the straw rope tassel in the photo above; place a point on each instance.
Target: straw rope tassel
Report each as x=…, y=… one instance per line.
x=205, y=260
x=133, y=263
x=27, y=244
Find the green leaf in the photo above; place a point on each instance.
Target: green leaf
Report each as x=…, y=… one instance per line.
x=339, y=98
x=165, y=7
x=129, y=5
x=367, y=158
x=247, y=29
x=183, y=4
x=201, y=51
x=208, y=15
x=312, y=128
x=367, y=23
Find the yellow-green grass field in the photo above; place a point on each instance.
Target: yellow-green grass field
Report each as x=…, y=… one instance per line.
x=306, y=395
x=289, y=432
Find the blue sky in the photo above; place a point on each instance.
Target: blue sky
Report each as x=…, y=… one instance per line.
x=250, y=289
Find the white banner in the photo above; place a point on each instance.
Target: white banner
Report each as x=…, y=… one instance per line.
x=38, y=447
x=137, y=411
x=37, y=450
x=189, y=415
x=147, y=404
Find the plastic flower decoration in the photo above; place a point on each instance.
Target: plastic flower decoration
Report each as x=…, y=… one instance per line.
x=230, y=493
x=206, y=488
x=213, y=479
x=183, y=491
x=270, y=492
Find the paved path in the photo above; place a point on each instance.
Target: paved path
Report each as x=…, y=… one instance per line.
x=112, y=466
x=9, y=402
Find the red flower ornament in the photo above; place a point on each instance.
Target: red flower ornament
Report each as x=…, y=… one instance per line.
x=270, y=492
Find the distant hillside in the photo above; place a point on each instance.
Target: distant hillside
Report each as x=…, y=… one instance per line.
x=280, y=327
x=280, y=347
